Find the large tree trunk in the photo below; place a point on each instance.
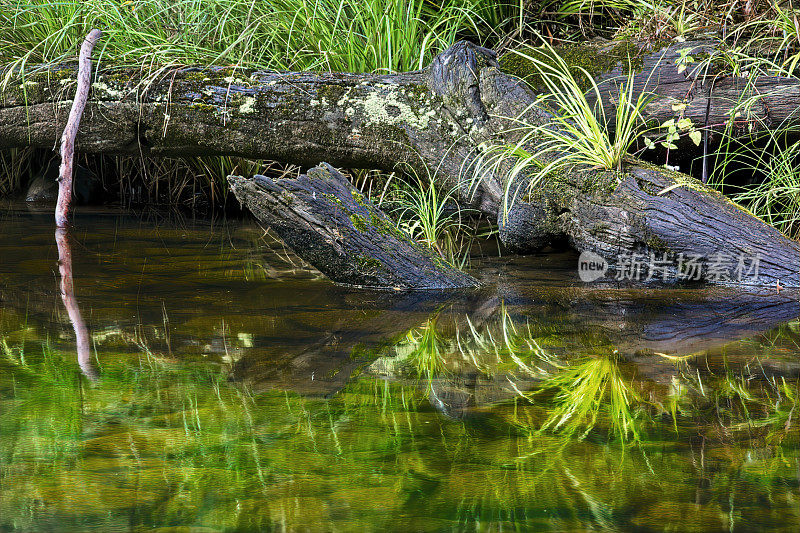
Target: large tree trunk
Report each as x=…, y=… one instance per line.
x=432, y=121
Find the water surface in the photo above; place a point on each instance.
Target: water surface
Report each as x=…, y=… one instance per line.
x=231, y=388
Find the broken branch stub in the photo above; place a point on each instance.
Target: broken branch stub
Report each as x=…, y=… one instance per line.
x=64, y=203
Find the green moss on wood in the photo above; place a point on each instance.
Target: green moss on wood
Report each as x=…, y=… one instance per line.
x=199, y=76
x=359, y=222
x=387, y=132
x=202, y=106
x=369, y=264
x=594, y=59
x=331, y=93
x=655, y=243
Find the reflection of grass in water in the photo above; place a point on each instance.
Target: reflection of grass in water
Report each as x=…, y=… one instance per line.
x=784, y=409
x=588, y=390
x=583, y=392
x=425, y=351
x=428, y=352
x=61, y=404
x=750, y=404
x=159, y=442
x=514, y=347
x=150, y=432
x=578, y=393
x=165, y=441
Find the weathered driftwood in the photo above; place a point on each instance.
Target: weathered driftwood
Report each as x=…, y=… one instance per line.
x=433, y=121
x=64, y=202
x=648, y=213
x=341, y=233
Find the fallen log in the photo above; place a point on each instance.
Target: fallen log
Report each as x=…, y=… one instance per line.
x=342, y=234
x=712, y=95
x=434, y=121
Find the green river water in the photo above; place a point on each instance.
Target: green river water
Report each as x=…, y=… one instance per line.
x=231, y=388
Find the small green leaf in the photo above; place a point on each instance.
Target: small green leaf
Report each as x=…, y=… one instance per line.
x=696, y=137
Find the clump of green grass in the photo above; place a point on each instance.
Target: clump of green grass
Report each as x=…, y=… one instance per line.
x=430, y=215
x=667, y=19
x=577, y=137
x=581, y=135
x=340, y=35
x=776, y=197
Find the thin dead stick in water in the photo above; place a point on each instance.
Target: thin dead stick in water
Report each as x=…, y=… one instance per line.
x=71, y=130
x=71, y=304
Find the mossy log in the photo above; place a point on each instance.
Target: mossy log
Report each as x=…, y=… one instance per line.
x=435, y=122
x=341, y=233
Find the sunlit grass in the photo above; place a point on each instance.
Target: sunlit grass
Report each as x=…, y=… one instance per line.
x=339, y=35
x=576, y=138
x=775, y=197
x=431, y=215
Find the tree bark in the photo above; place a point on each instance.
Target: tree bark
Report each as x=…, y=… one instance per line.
x=430, y=122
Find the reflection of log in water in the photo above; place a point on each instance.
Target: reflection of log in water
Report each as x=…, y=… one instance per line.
x=71, y=304
x=634, y=323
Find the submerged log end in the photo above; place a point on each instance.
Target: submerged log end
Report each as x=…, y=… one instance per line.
x=335, y=228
